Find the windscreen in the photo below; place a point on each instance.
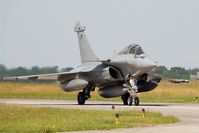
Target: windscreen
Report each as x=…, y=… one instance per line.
x=132, y=49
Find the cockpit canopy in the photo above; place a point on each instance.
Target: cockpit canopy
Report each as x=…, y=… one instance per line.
x=132, y=49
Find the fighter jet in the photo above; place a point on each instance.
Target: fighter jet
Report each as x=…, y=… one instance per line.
x=178, y=81
x=124, y=75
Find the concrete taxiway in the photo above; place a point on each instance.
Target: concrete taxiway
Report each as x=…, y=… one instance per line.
x=187, y=113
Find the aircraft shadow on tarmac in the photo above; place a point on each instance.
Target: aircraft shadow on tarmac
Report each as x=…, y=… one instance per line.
x=105, y=104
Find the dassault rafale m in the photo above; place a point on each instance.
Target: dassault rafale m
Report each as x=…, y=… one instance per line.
x=124, y=75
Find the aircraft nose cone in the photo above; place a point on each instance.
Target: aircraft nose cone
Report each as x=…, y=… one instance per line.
x=143, y=65
x=149, y=65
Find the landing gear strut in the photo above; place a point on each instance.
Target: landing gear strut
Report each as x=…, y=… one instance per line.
x=85, y=95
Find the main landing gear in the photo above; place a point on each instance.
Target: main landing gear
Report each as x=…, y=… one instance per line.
x=85, y=95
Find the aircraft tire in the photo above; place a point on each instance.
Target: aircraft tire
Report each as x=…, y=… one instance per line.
x=81, y=98
x=125, y=98
x=136, y=101
x=130, y=100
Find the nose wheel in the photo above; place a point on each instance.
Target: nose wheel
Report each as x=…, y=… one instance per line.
x=136, y=101
x=130, y=99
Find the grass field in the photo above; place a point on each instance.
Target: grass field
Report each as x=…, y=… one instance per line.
x=16, y=118
x=166, y=92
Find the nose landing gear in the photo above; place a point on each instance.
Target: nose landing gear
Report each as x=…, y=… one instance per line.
x=131, y=97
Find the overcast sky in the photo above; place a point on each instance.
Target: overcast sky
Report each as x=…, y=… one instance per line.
x=40, y=32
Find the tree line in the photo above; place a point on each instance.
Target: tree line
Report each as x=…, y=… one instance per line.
x=173, y=72
x=22, y=71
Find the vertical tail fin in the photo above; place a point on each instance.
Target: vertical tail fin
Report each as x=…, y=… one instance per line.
x=86, y=52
